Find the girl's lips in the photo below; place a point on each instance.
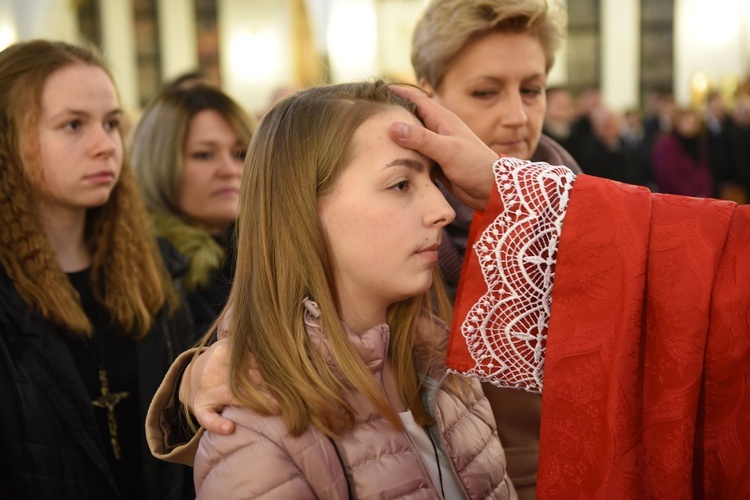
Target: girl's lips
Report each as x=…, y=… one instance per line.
x=102, y=177
x=430, y=253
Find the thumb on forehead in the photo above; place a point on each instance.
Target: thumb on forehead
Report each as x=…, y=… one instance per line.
x=414, y=137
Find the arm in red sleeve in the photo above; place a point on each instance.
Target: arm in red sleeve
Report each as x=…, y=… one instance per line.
x=502, y=307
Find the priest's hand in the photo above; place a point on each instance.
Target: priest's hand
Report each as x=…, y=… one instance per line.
x=466, y=162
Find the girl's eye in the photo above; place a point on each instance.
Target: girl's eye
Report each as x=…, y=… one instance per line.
x=401, y=186
x=240, y=155
x=73, y=125
x=112, y=124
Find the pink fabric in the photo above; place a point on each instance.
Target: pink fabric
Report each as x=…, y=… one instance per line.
x=262, y=459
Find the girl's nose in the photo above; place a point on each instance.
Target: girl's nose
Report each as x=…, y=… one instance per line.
x=441, y=213
x=105, y=141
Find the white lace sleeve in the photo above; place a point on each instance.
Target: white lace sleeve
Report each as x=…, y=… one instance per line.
x=506, y=330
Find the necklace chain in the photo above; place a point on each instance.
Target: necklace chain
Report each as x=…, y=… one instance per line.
x=107, y=400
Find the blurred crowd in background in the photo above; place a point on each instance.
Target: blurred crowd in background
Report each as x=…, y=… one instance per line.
x=693, y=151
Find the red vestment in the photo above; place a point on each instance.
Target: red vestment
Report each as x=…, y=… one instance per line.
x=646, y=347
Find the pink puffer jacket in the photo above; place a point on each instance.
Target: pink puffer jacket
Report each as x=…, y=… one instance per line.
x=262, y=460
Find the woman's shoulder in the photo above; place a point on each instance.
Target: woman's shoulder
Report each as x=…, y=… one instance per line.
x=433, y=331
x=248, y=421
x=430, y=345
x=11, y=303
x=203, y=253
x=254, y=434
x=176, y=263
x=553, y=153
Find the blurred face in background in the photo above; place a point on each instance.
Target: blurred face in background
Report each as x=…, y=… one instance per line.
x=688, y=123
x=212, y=170
x=715, y=107
x=607, y=126
x=496, y=85
x=560, y=106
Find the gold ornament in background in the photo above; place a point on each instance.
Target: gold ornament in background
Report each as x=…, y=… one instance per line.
x=310, y=68
x=700, y=86
x=728, y=89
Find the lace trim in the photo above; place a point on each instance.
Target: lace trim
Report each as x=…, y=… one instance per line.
x=506, y=330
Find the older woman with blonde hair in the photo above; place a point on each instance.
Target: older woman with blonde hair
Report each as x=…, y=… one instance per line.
x=188, y=150
x=487, y=61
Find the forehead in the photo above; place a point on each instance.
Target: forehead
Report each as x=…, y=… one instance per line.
x=374, y=131
x=208, y=120
x=502, y=52
x=78, y=85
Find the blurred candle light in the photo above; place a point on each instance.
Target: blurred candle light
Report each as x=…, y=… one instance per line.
x=7, y=35
x=700, y=85
x=352, y=39
x=254, y=55
x=714, y=22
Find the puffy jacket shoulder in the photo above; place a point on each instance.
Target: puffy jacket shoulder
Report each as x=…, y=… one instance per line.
x=471, y=442
x=291, y=467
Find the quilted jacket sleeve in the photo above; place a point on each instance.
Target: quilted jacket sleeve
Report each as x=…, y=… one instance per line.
x=261, y=460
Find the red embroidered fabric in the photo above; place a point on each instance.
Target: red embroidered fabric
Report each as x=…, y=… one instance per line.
x=647, y=358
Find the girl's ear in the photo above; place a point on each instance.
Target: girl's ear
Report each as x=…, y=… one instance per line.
x=426, y=87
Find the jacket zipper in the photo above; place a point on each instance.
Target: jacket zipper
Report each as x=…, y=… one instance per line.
x=438, y=425
x=414, y=448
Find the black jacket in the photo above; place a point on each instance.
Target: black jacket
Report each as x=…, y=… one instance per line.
x=208, y=280
x=49, y=443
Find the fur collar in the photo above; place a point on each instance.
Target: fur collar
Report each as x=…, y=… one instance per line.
x=205, y=254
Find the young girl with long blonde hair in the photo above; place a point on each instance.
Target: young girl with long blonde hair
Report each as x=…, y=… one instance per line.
x=336, y=319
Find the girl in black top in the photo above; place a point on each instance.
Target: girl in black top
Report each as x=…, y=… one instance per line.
x=89, y=317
